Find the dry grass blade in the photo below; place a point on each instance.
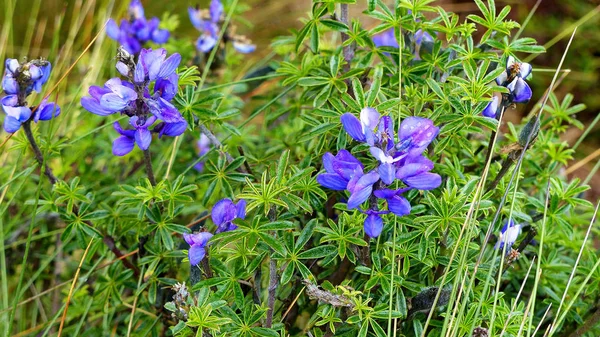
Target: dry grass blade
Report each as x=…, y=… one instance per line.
x=562, y=300
x=514, y=306
x=582, y=162
x=476, y=196
x=542, y=320
x=64, y=316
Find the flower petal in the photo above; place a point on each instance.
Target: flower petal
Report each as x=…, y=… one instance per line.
x=387, y=172
x=160, y=36
x=143, y=138
x=46, y=111
x=424, y=181
x=369, y=118
x=113, y=102
x=244, y=48
x=206, y=43
x=93, y=106
x=195, y=254
x=122, y=146
x=353, y=127
x=173, y=129
x=196, y=18
x=398, y=205
x=223, y=211
x=10, y=85
x=241, y=209
x=416, y=133
x=112, y=30
x=332, y=181
x=491, y=108
x=169, y=66
x=373, y=225
x=328, y=162
x=520, y=90
x=11, y=124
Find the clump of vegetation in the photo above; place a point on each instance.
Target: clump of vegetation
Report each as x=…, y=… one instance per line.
x=362, y=181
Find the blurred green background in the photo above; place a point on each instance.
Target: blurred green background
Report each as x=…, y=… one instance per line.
x=35, y=26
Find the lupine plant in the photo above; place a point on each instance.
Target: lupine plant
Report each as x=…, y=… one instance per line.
x=135, y=31
x=361, y=180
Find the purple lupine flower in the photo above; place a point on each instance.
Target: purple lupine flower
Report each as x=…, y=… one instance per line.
x=197, y=242
x=203, y=146
x=19, y=81
x=209, y=23
x=387, y=38
x=339, y=170
x=225, y=211
x=514, y=80
x=402, y=161
x=133, y=97
x=508, y=235
x=134, y=32
x=373, y=223
x=491, y=109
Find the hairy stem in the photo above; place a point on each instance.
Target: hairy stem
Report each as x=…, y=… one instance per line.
x=273, y=278
x=38, y=153
x=348, y=49
x=149, y=171
x=215, y=141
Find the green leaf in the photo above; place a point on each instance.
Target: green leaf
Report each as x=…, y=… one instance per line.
x=273, y=243
x=318, y=252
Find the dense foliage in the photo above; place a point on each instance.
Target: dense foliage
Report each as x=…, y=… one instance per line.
x=362, y=182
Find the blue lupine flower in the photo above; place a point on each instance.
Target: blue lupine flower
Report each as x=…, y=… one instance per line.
x=197, y=242
x=209, y=23
x=132, y=97
x=508, y=235
x=340, y=170
x=19, y=81
x=514, y=80
x=373, y=223
x=402, y=161
x=203, y=145
x=387, y=38
x=491, y=109
x=225, y=211
x=132, y=34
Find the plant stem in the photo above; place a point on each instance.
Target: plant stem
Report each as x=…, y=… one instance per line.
x=110, y=243
x=215, y=141
x=273, y=278
x=38, y=153
x=348, y=49
x=272, y=290
x=149, y=171
x=506, y=165
x=589, y=323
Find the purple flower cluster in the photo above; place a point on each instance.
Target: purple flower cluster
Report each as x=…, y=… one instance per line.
x=387, y=38
x=223, y=213
x=514, y=80
x=209, y=23
x=402, y=161
x=134, y=32
x=132, y=97
x=18, y=82
x=203, y=145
